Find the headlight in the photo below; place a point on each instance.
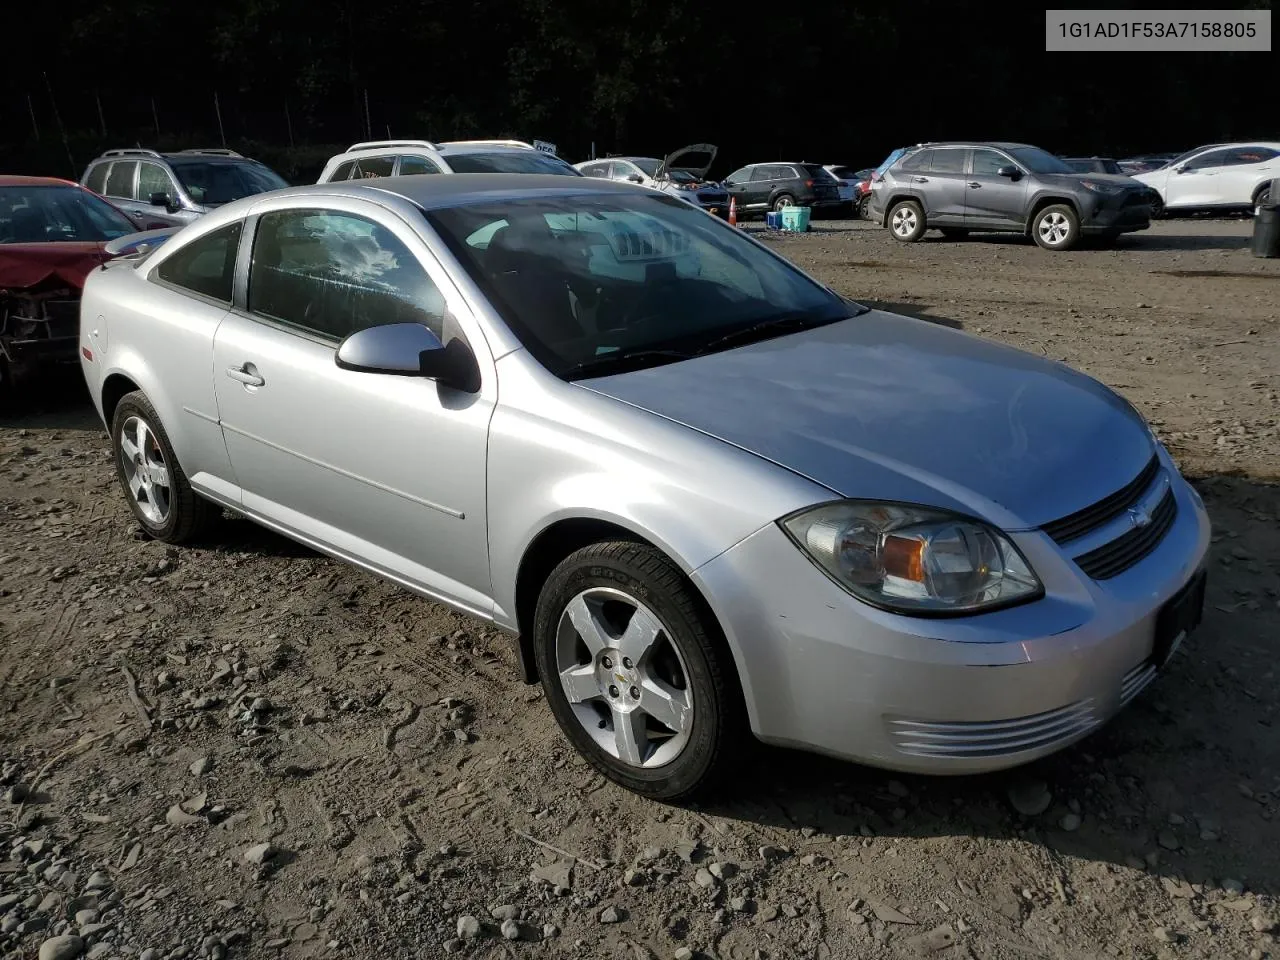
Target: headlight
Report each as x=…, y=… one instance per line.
x=913, y=560
x=1098, y=186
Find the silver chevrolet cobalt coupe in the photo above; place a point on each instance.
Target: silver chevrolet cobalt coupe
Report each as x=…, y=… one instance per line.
x=706, y=494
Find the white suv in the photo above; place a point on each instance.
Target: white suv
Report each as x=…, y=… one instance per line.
x=398, y=158
x=1221, y=176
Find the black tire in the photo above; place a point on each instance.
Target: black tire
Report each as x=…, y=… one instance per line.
x=1261, y=199
x=1158, y=211
x=953, y=233
x=906, y=221
x=645, y=574
x=189, y=516
x=1056, y=227
x=782, y=200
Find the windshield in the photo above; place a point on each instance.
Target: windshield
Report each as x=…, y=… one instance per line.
x=58, y=214
x=514, y=161
x=212, y=183
x=1039, y=161
x=890, y=160
x=583, y=279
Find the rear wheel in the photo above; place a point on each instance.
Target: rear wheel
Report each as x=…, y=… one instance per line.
x=154, y=484
x=1056, y=227
x=635, y=671
x=906, y=221
x=782, y=201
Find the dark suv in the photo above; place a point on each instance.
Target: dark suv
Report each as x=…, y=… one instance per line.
x=962, y=186
x=759, y=187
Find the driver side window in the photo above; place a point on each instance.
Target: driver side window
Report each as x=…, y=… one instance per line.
x=332, y=274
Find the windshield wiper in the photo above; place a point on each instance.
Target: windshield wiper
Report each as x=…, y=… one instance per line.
x=621, y=360
x=765, y=329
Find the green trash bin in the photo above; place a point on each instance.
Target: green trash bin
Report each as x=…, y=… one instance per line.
x=795, y=219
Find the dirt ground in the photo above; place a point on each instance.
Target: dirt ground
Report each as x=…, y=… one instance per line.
x=247, y=750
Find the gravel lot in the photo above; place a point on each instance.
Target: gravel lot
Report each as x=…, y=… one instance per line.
x=247, y=750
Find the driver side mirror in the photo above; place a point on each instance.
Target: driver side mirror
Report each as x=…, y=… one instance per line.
x=1010, y=171
x=162, y=199
x=410, y=350
x=1182, y=169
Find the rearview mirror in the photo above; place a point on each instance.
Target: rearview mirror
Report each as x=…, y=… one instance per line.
x=410, y=350
x=1010, y=171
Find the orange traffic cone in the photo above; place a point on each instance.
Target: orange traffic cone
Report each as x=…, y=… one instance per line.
x=733, y=211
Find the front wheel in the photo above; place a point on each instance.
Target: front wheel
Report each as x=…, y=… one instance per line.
x=1157, y=207
x=1056, y=227
x=635, y=671
x=906, y=221
x=1260, y=200
x=152, y=479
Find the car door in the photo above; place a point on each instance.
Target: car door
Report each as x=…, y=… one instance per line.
x=1198, y=182
x=942, y=186
x=121, y=185
x=1244, y=169
x=387, y=471
x=737, y=183
x=153, y=179
x=764, y=178
x=990, y=200
x=193, y=292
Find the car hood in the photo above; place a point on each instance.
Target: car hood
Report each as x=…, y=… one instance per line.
x=694, y=153
x=1074, y=179
x=888, y=407
x=27, y=265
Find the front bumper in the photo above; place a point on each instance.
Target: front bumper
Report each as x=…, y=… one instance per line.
x=1123, y=214
x=825, y=672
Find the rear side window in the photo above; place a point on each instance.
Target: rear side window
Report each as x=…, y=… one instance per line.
x=410, y=166
x=919, y=160
x=205, y=266
x=120, y=179
x=373, y=167
x=343, y=172
x=948, y=160
x=1244, y=155
x=97, y=178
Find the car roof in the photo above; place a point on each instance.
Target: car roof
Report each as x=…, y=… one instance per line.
x=217, y=154
x=998, y=144
x=460, y=188
x=12, y=180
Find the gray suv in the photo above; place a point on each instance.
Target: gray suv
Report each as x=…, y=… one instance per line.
x=961, y=186
x=171, y=189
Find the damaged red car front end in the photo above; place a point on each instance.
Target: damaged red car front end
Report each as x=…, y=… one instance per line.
x=52, y=234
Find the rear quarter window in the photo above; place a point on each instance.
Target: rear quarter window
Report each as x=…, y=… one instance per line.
x=343, y=171
x=97, y=178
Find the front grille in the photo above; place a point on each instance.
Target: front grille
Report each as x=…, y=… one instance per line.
x=1136, y=680
x=995, y=738
x=1078, y=524
x=1137, y=198
x=713, y=198
x=1114, y=558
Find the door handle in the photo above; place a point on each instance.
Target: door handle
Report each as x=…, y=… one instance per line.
x=246, y=374
x=920, y=179
x=975, y=184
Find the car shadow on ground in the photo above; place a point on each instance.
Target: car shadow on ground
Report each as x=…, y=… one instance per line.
x=54, y=399
x=1183, y=784
x=1145, y=241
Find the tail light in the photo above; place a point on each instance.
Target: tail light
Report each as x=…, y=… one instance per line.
x=808, y=183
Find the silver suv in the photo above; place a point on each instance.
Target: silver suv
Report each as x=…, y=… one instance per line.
x=399, y=158
x=170, y=189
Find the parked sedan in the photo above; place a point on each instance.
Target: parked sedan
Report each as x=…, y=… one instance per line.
x=962, y=186
x=52, y=234
x=705, y=493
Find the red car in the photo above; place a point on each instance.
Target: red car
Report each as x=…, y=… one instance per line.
x=52, y=233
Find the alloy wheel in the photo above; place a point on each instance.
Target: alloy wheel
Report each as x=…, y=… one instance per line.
x=904, y=222
x=145, y=470
x=624, y=677
x=1054, y=228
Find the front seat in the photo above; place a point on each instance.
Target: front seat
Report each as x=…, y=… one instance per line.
x=521, y=259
